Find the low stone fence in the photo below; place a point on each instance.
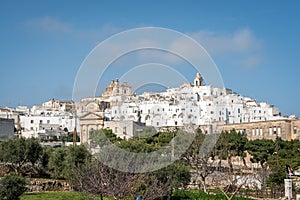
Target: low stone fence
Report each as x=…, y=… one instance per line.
x=41, y=185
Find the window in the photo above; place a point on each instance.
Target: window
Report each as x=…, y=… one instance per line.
x=261, y=131
x=31, y=121
x=279, y=130
x=48, y=121
x=41, y=121
x=31, y=128
x=257, y=133
x=124, y=130
x=295, y=130
x=253, y=132
x=274, y=130
x=175, y=123
x=239, y=110
x=270, y=131
x=157, y=123
x=116, y=129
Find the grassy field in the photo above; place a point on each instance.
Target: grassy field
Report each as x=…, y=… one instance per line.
x=177, y=195
x=181, y=194
x=55, y=196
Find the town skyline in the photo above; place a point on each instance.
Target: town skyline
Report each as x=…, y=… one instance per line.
x=43, y=44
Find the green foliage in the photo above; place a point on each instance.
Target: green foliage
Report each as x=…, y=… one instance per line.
x=177, y=173
x=33, y=150
x=62, y=160
x=145, y=132
x=277, y=175
x=12, y=187
x=17, y=152
x=57, y=163
x=193, y=151
x=231, y=144
x=261, y=150
x=288, y=157
x=100, y=138
x=278, y=155
x=146, y=145
x=44, y=160
x=69, y=137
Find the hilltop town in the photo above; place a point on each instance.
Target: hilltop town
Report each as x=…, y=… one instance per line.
x=120, y=109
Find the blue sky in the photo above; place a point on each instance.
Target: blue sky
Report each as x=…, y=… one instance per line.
x=255, y=44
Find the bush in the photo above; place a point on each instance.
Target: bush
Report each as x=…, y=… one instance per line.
x=12, y=187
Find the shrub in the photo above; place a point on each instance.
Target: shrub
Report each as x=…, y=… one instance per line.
x=12, y=186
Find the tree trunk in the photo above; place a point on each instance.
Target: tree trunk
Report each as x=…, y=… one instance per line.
x=220, y=164
x=230, y=163
x=244, y=162
x=204, y=185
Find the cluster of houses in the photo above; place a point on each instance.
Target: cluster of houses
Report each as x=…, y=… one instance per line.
x=125, y=112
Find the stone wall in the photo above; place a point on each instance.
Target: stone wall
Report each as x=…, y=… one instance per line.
x=42, y=185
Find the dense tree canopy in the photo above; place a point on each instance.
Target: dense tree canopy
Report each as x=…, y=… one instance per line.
x=19, y=151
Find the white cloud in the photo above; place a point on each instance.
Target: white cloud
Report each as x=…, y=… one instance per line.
x=240, y=41
x=48, y=24
x=240, y=47
x=54, y=25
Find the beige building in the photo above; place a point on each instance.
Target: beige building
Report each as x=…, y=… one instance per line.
x=287, y=129
x=115, y=88
x=91, y=118
x=91, y=109
x=124, y=129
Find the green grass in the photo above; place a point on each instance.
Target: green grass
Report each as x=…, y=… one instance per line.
x=182, y=194
x=177, y=195
x=55, y=196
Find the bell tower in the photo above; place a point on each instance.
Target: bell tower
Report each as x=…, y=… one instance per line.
x=198, y=80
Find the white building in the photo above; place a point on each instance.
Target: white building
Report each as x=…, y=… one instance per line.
x=191, y=104
x=51, y=117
